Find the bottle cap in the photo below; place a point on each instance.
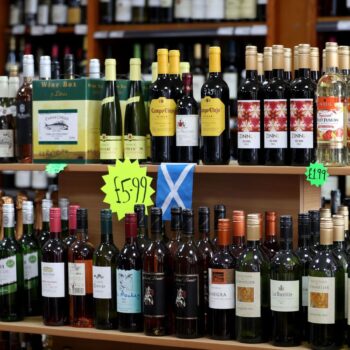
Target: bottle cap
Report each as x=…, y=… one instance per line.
x=82, y=219
x=184, y=68
x=188, y=221
x=251, y=58
x=156, y=220
x=326, y=231
x=267, y=59
x=131, y=225
x=304, y=225
x=45, y=67
x=338, y=228
x=270, y=223
x=277, y=57
x=28, y=212
x=63, y=203
x=39, y=180
x=73, y=216
x=204, y=219
x=94, y=68
x=224, y=229
x=325, y=213
x=238, y=220
x=253, y=227
x=176, y=218
x=105, y=214
x=55, y=220
x=219, y=213
x=260, y=64
x=286, y=227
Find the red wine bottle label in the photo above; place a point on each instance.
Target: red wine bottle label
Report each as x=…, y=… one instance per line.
x=321, y=308
x=248, y=298
x=129, y=291
x=154, y=299
x=275, y=124
x=6, y=143
x=330, y=121
x=52, y=280
x=221, y=289
x=187, y=130
x=212, y=116
x=284, y=296
x=162, y=117
x=301, y=123
x=102, y=282
x=187, y=296
x=80, y=277
x=248, y=124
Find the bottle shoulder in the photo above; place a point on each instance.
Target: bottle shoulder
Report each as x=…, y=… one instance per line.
x=223, y=259
x=285, y=259
x=325, y=262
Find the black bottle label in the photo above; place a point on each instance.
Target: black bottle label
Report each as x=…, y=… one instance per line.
x=24, y=123
x=154, y=294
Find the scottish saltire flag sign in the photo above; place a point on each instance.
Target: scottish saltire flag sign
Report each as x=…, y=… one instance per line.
x=174, y=187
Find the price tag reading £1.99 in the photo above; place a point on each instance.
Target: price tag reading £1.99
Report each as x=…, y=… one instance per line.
x=316, y=174
x=127, y=184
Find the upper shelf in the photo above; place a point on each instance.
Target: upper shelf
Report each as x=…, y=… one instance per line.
x=333, y=24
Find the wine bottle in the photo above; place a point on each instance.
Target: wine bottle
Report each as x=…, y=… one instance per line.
x=331, y=92
x=142, y=228
x=166, y=11
x=30, y=251
x=314, y=230
x=54, y=275
x=344, y=64
x=326, y=293
x=11, y=271
x=104, y=276
x=106, y=8
x=129, y=267
x=267, y=65
x=68, y=67
x=135, y=121
x=138, y=11
x=45, y=68
x=222, y=287
x=55, y=68
x=303, y=112
x=24, y=113
x=261, y=10
x=215, y=114
x=72, y=225
x=188, y=283
x=187, y=125
x=249, y=113
x=59, y=12
x=315, y=64
x=344, y=210
x=198, y=73
x=287, y=71
x=276, y=113
x=206, y=248
x=260, y=68
x=154, y=11
x=238, y=230
x=94, y=69
x=182, y=10
x=305, y=255
x=45, y=232
x=270, y=246
x=155, y=273
x=285, y=289
x=174, y=74
x=219, y=213
x=30, y=11
x=63, y=203
x=253, y=316
x=74, y=12
x=111, y=146
x=162, y=112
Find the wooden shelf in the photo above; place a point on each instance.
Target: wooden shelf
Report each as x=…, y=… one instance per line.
x=35, y=325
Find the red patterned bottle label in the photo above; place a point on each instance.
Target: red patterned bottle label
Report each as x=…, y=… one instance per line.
x=249, y=124
x=301, y=123
x=275, y=123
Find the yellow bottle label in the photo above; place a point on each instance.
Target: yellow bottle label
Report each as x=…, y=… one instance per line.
x=162, y=117
x=74, y=15
x=107, y=100
x=134, y=147
x=212, y=116
x=133, y=99
x=148, y=145
x=111, y=147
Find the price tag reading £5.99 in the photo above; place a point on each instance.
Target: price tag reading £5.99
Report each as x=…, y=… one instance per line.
x=126, y=185
x=316, y=174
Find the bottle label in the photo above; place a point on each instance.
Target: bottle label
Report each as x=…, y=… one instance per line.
x=138, y=3
x=162, y=117
x=111, y=147
x=212, y=116
x=24, y=123
x=198, y=81
x=182, y=8
x=74, y=15
x=305, y=287
x=30, y=7
x=284, y=296
x=221, y=289
x=187, y=130
x=52, y=280
x=129, y=291
x=348, y=120
x=134, y=147
x=31, y=266
x=148, y=145
x=348, y=3
x=102, y=282
x=154, y=299
x=8, y=220
x=231, y=79
x=248, y=298
x=153, y=3
x=248, y=124
x=123, y=11
x=187, y=296
x=301, y=123
x=330, y=121
x=14, y=15
x=43, y=15
x=233, y=9
x=8, y=275
x=215, y=9
x=248, y=9
x=321, y=303
x=80, y=277
x=6, y=143
x=166, y=3
x=12, y=109
x=275, y=123
x=59, y=13
x=198, y=12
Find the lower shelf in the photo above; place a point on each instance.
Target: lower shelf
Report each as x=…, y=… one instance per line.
x=35, y=325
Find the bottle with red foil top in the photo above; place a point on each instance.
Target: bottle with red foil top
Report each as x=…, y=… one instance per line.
x=72, y=225
x=271, y=245
x=331, y=121
x=239, y=240
x=249, y=116
x=276, y=112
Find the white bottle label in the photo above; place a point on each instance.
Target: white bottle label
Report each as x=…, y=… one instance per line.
x=215, y=9
x=76, y=278
x=30, y=266
x=221, y=289
x=138, y=3
x=102, y=282
x=30, y=6
x=248, y=9
x=52, y=280
x=198, y=10
x=8, y=270
x=129, y=291
x=59, y=14
x=348, y=3
x=321, y=301
x=187, y=130
x=6, y=143
x=284, y=296
x=43, y=15
x=183, y=9
x=166, y=3
x=123, y=11
x=198, y=81
x=154, y=3
x=233, y=9
x=248, y=298
x=14, y=15
x=305, y=287
x=231, y=79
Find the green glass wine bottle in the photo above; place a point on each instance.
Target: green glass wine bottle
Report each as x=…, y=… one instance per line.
x=111, y=145
x=135, y=122
x=11, y=270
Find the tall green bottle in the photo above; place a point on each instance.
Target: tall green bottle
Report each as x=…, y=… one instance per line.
x=111, y=143
x=31, y=256
x=11, y=270
x=135, y=122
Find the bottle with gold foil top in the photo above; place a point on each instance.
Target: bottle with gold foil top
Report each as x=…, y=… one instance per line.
x=260, y=67
x=111, y=145
x=315, y=64
x=238, y=230
x=174, y=73
x=344, y=62
x=135, y=121
x=270, y=245
x=162, y=112
x=267, y=65
x=344, y=210
x=331, y=122
x=296, y=61
x=326, y=293
x=215, y=114
x=287, y=64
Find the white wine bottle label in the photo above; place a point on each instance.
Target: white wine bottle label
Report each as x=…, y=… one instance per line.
x=111, y=147
x=59, y=14
x=153, y=3
x=31, y=266
x=123, y=11
x=198, y=81
x=321, y=304
x=233, y=9
x=215, y=9
x=305, y=288
x=134, y=147
x=231, y=79
x=249, y=124
x=183, y=9
x=301, y=123
x=8, y=270
x=52, y=280
x=102, y=282
x=138, y=3
x=248, y=298
x=187, y=130
x=275, y=124
x=166, y=3
x=212, y=116
x=162, y=117
x=30, y=6
x=80, y=277
x=221, y=289
x=248, y=9
x=43, y=15
x=6, y=143
x=129, y=291
x=284, y=296
x=198, y=11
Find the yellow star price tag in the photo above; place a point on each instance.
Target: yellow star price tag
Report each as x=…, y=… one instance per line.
x=127, y=184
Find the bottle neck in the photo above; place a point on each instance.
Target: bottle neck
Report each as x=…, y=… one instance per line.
x=106, y=238
x=130, y=240
x=82, y=234
x=339, y=244
x=278, y=73
x=28, y=229
x=238, y=240
x=188, y=90
x=187, y=237
x=46, y=226
x=204, y=235
x=253, y=244
x=214, y=75
x=157, y=236
x=251, y=74
x=9, y=232
x=286, y=244
x=304, y=72
x=268, y=74
x=332, y=70
x=303, y=241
